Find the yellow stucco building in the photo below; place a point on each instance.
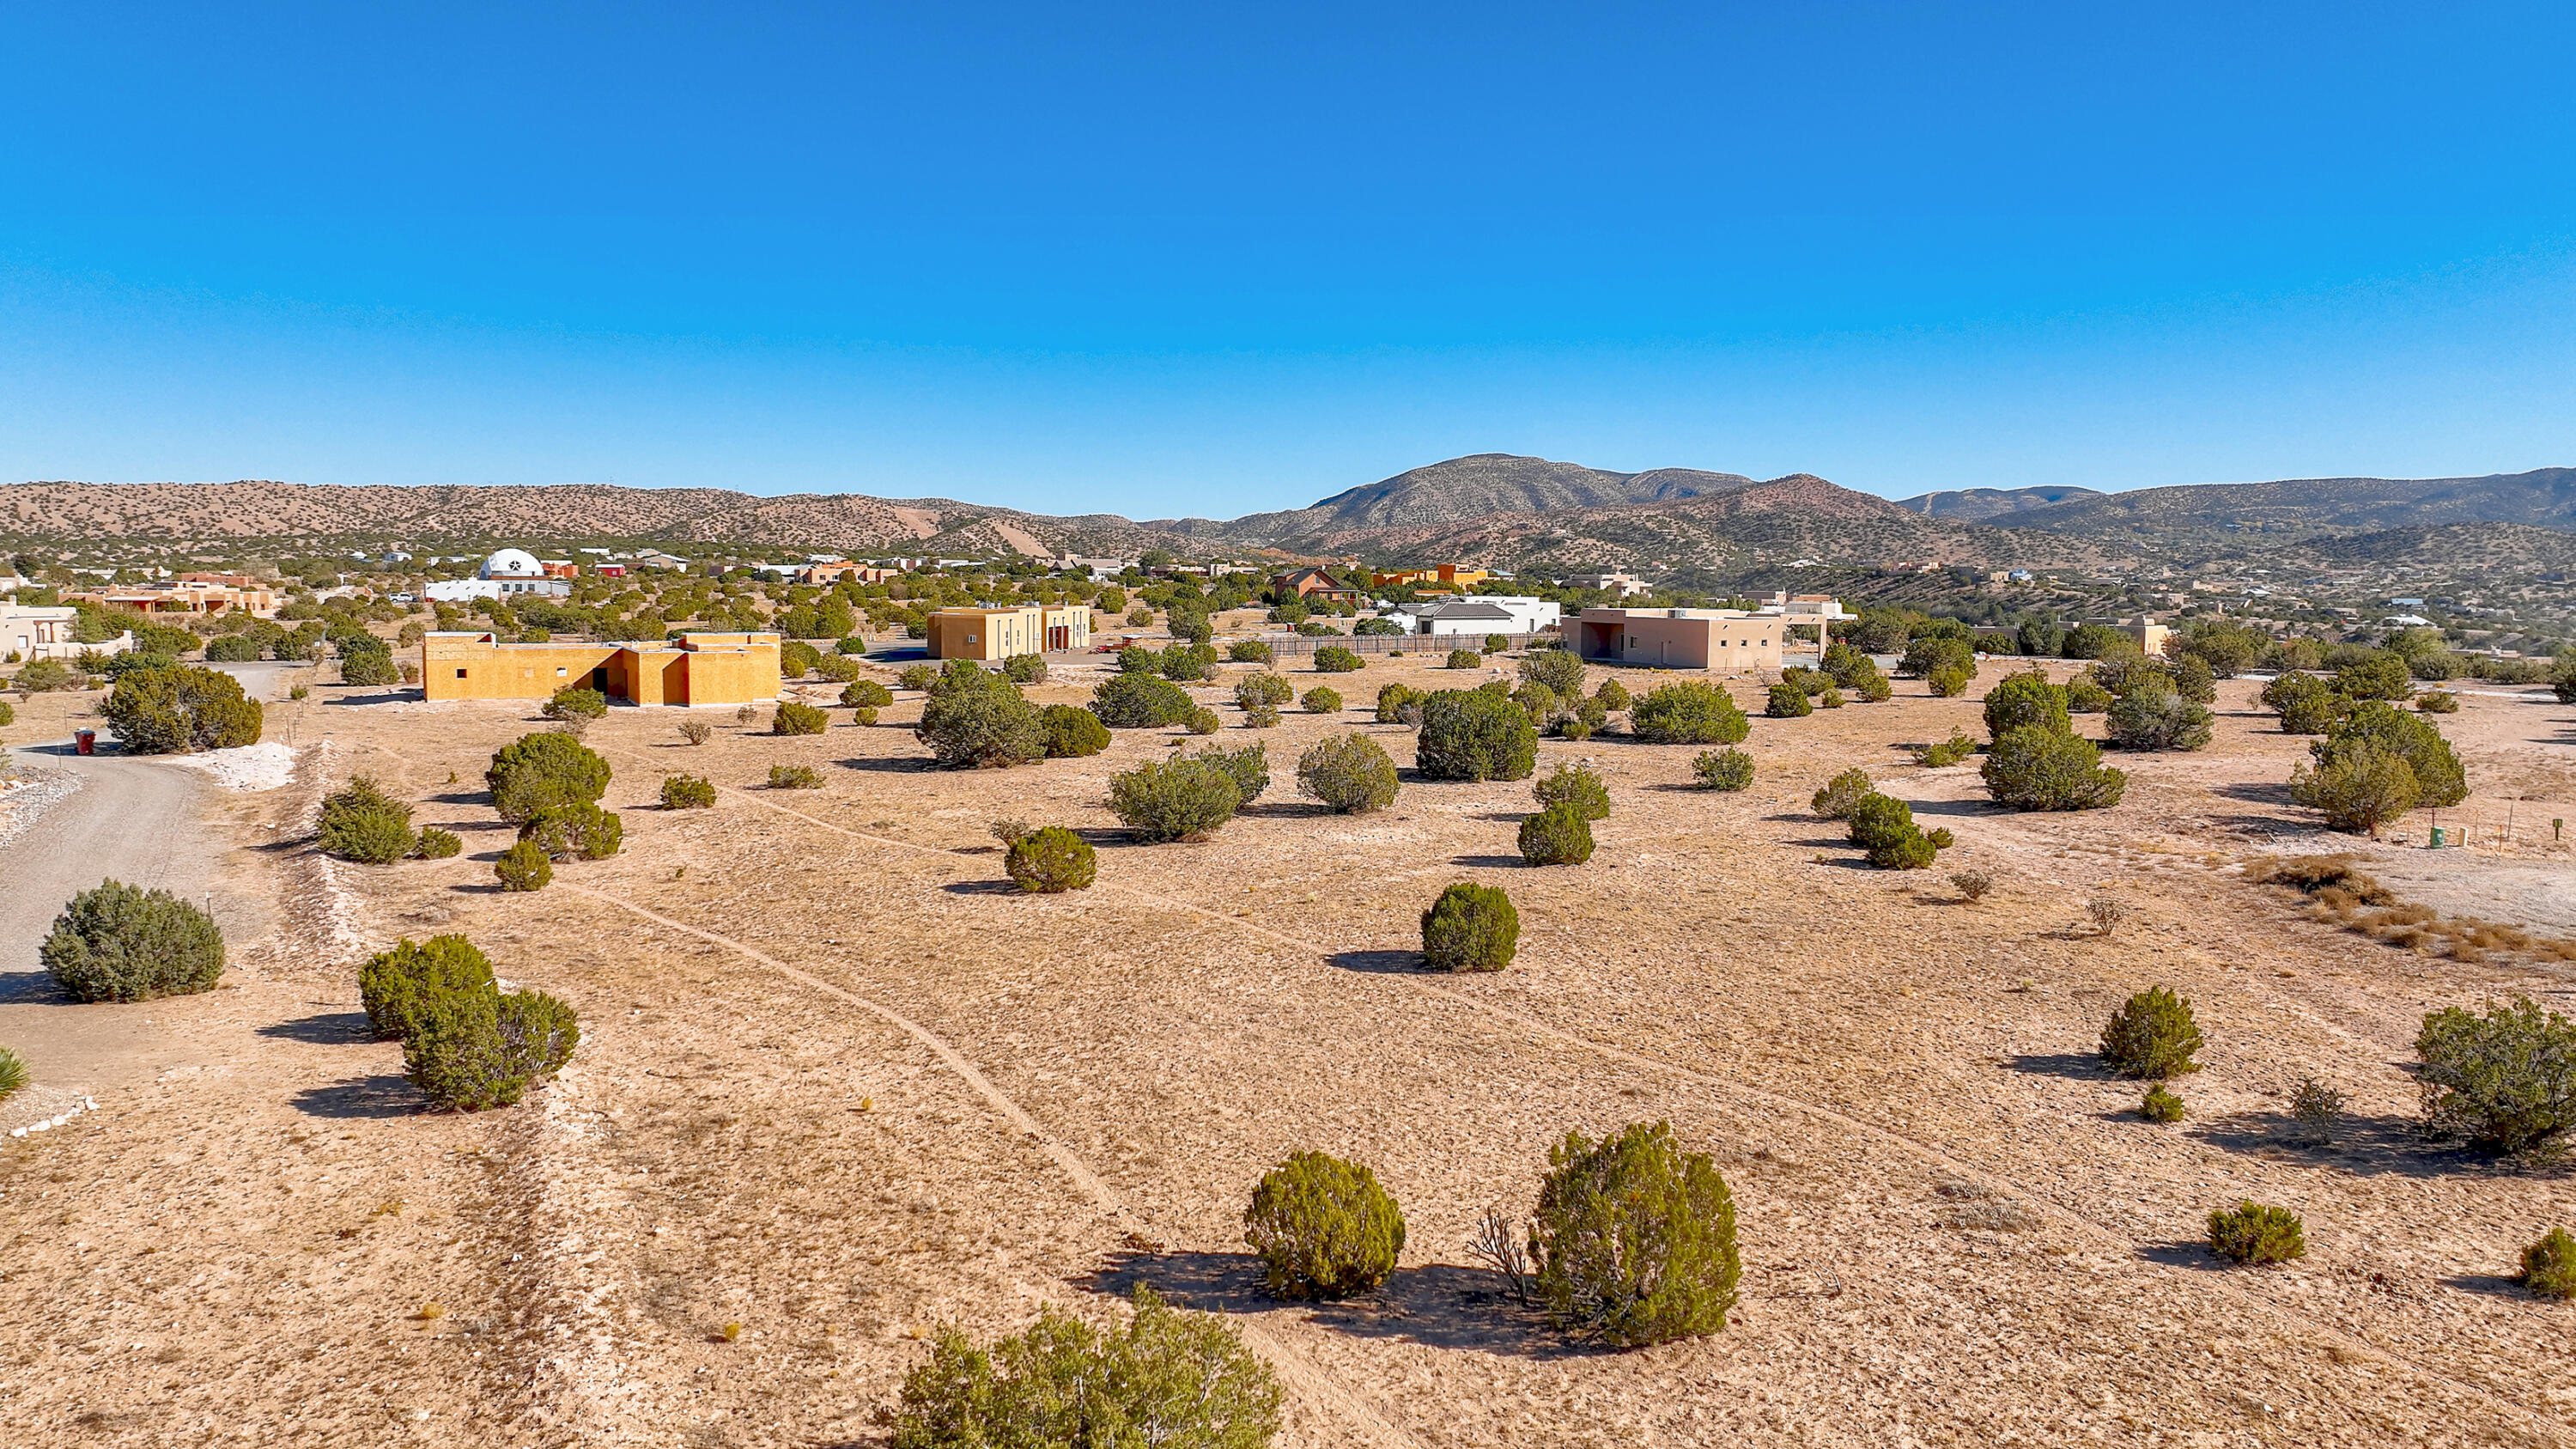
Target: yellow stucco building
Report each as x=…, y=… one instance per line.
x=698, y=668
x=1001, y=633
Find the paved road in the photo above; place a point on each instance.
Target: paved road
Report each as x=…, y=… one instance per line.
x=267, y=678
x=133, y=820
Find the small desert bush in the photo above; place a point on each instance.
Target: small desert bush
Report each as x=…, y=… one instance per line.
x=798, y=719
x=1260, y=716
x=1470, y=928
x=1353, y=775
x=2253, y=1233
x=1577, y=785
x=2152, y=1035
x=1335, y=659
x=1248, y=766
x=917, y=677
x=2022, y=700
x=1613, y=695
x=1248, y=651
x=1025, y=669
x=2035, y=768
x=1557, y=835
x=1322, y=699
x=119, y=942
x=1051, y=861
x=1168, y=1378
x=2439, y=701
x=1728, y=770
x=1973, y=885
x=435, y=844
x=794, y=777
x=2549, y=1266
x=2316, y=1107
x=688, y=792
x=696, y=731
x=1323, y=1227
x=1140, y=701
x=524, y=867
x=540, y=770
x=1202, y=722
x=2360, y=789
x=979, y=721
x=1465, y=659
x=13, y=1073
x=2505, y=1080
x=1475, y=734
x=1392, y=702
x=575, y=832
x=1788, y=701
x=1179, y=799
x=2156, y=716
x=2085, y=695
x=575, y=702
x=476, y=1049
x=1693, y=712
x=1841, y=793
x=171, y=711
x=866, y=694
x=1948, y=681
x=397, y=987
x=2106, y=913
x=1941, y=754
x=1884, y=826
x=2160, y=1105
x=1634, y=1239
x=1071, y=732
x=361, y=822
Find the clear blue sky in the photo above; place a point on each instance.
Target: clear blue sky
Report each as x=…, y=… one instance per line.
x=1209, y=259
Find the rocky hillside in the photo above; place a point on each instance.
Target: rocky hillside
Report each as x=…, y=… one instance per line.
x=1978, y=505
x=1462, y=490
x=2543, y=498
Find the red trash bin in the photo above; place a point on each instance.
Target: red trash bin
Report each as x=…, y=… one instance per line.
x=85, y=741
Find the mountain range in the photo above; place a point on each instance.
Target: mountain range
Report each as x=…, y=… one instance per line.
x=1489, y=508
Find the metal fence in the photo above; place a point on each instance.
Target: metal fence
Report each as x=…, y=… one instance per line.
x=1301, y=644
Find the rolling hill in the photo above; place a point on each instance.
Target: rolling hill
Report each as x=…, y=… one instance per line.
x=2541, y=498
x=1977, y=505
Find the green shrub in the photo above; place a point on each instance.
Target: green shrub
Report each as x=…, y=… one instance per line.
x=1071, y=732
x=2380, y=675
x=1942, y=754
x=1025, y=669
x=2153, y=1036
x=1928, y=654
x=1248, y=651
x=1324, y=1228
x=2439, y=779
x=917, y=677
x=1556, y=669
x=1052, y=860
x=1692, y=712
x=2438, y=701
x=798, y=719
x=1465, y=659
x=1248, y=767
x=2155, y=716
x=1728, y=770
x=1181, y=799
x=1202, y=721
x=1830, y=699
x=123, y=943
x=2025, y=699
x=2562, y=680
x=1613, y=695
x=1577, y=785
x=45, y=676
x=13, y=1073
x=2252, y=1233
x=369, y=669
x=2037, y=768
x=1352, y=775
x=973, y=720
x=2085, y=695
x=2548, y=1266
x=1788, y=701
x=2192, y=679
x=176, y=711
x=1810, y=682
x=1260, y=716
x=2160, y=1105
x=362, y=823
x=435, y=844
x=866, y=694
x=1884, y=826
x=1841, y=793
x=1191, y=628
x=1322, y=699
x=398, y=986
x=796, y=658
x=575, y=832
x=794, y=777
x=688, y=792
x=2506, y=1080
x=1949, y=681
x=1263, y=688
x=1137, y=659
x=233, y=649
x=1391, y=702
x=1178, y=1379
x=524, y=867
x=575, y=702
x=2096, y=641
x=1334, y=659
x=8, y=713
x=536, y=771
x=2306, y=704
x=1557, y=835
x=1475, y=734
x=1634, y=1239
x=2361, y=789
x=1140, y=701
x=1470, y=928
x=1190, y=661
x=473, y=1050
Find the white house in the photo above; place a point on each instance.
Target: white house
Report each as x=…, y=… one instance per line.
x=1618, y=582
x=510, y=573
x=1452, y=616
x=1528, y=615
x=30, y=632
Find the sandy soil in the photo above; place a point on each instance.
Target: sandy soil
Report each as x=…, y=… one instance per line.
x=839, y=1086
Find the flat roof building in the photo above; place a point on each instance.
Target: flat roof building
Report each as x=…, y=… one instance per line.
x=1002, y=633
x=698, y=668
x=1680, y=638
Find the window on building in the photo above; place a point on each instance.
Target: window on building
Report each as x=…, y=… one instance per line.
x=460, y=674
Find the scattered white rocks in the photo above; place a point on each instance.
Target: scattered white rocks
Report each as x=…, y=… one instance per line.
x=25, y=797
x=250, y=767
x=48, y=1124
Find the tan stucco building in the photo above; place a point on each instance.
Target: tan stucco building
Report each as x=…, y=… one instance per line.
x=1680, y=638
x=699, y=668
x=1001, y=633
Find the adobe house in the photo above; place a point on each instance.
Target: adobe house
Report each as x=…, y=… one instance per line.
x=1680, y=638
x=698, y=668
x=1001, y=633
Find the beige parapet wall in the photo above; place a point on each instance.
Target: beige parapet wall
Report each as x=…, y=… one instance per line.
x=707, y=668
x=1680, y=638
x=1001, y=633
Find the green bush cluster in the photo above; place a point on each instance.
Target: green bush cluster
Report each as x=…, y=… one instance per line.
x=473, y=1050
x=1884, y=826
x=1941, y=754
x=1557, y=835
x=2154, y=715
x=175, y=711
x=1202, y=721
x=1557, y=669
x=1248, y=766
x=1393, y=702
x=975, y=720
x=118, y=942
x=1788, y=700
x=397, y=986
x=1470, y=928
x=1837, y=797
x=1728, y=770
x=1025, y=669
x=2152, y=1035
x=1169, y=1378
x=1263, y=688
x=1052, y=860
x=2085, y=695
x=1580, y=786
x=1140, y=701
x=1928, y=654
x=1178, y=799
x=435, y=844
x=1352, y=775
x=535, y=772
x=574, y=832
x=1322, y=699
x=575, y=702
x=1475, y=734
x=917, y=677
x=1323, y=1228
x=2160, y=1105
x=866, y=694
x=13, y=1073
x=524, y=867
x=1465, y=659
x=2256, y=1234
x=1634, y=1239
x=798, y=719
x=688, y=792
x=1692, y=712
x=2026, y=700
x=2038, y=768
x=794, y=777
x=2504, y=1079
x=2549, y=1266
x=361, y=822
x=1248, y=651
x=1071, y=732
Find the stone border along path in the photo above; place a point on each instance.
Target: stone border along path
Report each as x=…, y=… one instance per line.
x=2065, y=1216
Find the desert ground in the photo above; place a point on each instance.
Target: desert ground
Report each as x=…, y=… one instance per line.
x=839, y=1085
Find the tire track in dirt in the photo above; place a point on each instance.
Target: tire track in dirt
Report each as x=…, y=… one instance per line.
x=1923, y=1151
x=1309, y=1381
